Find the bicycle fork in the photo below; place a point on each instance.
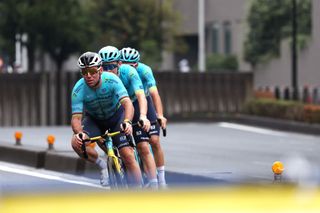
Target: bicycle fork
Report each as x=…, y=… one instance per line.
x=113, y=156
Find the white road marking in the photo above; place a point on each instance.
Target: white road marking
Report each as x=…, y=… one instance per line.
x=252, y=129
x=24, y=171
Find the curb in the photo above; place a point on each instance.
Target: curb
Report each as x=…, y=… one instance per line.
x=29, y=156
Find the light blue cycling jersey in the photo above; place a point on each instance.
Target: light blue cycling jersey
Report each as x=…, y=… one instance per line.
x=131, y=80
x=146, y=76
x=100, y=103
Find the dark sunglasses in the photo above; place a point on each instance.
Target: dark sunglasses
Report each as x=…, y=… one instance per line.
x=131, y=64
x=107, y=67
x=91, y=70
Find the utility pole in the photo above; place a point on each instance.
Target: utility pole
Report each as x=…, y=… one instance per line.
x=160, y=27
x=294, y=59
x=201, y=37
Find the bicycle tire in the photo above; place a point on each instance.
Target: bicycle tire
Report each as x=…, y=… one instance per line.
x=117, y=180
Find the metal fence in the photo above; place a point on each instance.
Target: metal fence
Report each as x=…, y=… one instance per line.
x=32, y=99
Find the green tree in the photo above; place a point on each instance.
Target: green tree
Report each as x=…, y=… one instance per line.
x=11, y=23
x=65, y=29
x=136, y=23
x=57, y=27
x=270, y=22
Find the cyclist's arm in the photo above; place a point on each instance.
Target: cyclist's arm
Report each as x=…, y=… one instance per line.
x=76, y=123
x=77, y=107
x=128, y=108
x=137, y=87
x=157, y=101
x=143, y=104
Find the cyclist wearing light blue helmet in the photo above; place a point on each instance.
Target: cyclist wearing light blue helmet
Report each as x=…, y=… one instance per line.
x=155, y=109
x=110, y=62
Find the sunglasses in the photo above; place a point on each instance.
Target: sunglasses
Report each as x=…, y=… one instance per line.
x=131, y=64
x=90, y=70
x=107, y=67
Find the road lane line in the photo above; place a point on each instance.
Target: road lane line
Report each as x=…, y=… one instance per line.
x=252, y=129
x=46, y=176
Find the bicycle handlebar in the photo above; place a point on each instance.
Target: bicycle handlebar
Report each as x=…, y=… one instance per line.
x=104, y=136
x=164, y=130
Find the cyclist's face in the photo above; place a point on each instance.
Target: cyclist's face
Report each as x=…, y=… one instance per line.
x=111, y=67
x=91, y=75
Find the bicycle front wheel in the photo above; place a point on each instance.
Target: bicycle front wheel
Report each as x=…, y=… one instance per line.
x=117, y=178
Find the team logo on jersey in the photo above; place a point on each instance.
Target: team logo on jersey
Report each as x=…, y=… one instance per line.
x=111, y=81
x=131, y=74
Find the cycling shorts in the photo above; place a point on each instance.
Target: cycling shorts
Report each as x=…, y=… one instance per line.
x=94, y=127
x=138, y=133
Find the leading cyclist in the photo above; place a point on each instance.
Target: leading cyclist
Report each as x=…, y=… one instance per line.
x=155, y=110
x=130, y=78
x=106, y=105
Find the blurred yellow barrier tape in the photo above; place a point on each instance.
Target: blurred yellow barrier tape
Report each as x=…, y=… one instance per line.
x=219, y=199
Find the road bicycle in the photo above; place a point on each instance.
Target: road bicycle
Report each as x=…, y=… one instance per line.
x=115, y=165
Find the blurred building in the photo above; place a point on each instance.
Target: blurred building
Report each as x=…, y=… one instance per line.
x=225, y=28
x=225, y=33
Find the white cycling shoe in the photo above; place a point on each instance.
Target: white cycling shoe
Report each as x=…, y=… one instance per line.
x=104, y=177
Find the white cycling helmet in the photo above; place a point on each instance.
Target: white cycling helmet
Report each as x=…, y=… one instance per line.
x=89, y=59
x=109, y=54
x=129, y=54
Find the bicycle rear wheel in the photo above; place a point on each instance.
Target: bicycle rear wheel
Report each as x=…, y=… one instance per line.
x=117, y=178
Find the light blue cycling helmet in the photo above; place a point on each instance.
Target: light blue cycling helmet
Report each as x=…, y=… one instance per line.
x=129, y=54
x=109, y=54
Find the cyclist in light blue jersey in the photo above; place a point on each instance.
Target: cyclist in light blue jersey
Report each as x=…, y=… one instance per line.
x=100, y=102
x=130, y=78
x=155, y=110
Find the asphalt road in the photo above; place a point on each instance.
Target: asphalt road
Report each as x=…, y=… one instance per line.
x=223, y=151
x=17, y=179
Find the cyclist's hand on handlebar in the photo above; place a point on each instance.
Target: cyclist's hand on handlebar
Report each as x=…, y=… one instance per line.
x=80, y=137
x=144, y=123
x=163, y=122
x=126, y=127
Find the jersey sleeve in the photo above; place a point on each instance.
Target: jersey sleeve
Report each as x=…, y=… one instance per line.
x=135, y=81
x=148, y=75
x=77, y=98
x=119, y=89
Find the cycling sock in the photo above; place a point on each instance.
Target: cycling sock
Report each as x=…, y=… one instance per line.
x=101, y=163
x=161, y=174
x=154, y=180
x=153, y=183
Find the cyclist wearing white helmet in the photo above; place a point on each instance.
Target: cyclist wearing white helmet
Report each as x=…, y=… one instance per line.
x=155, y=110
x=130, y=78
x=100, y=102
